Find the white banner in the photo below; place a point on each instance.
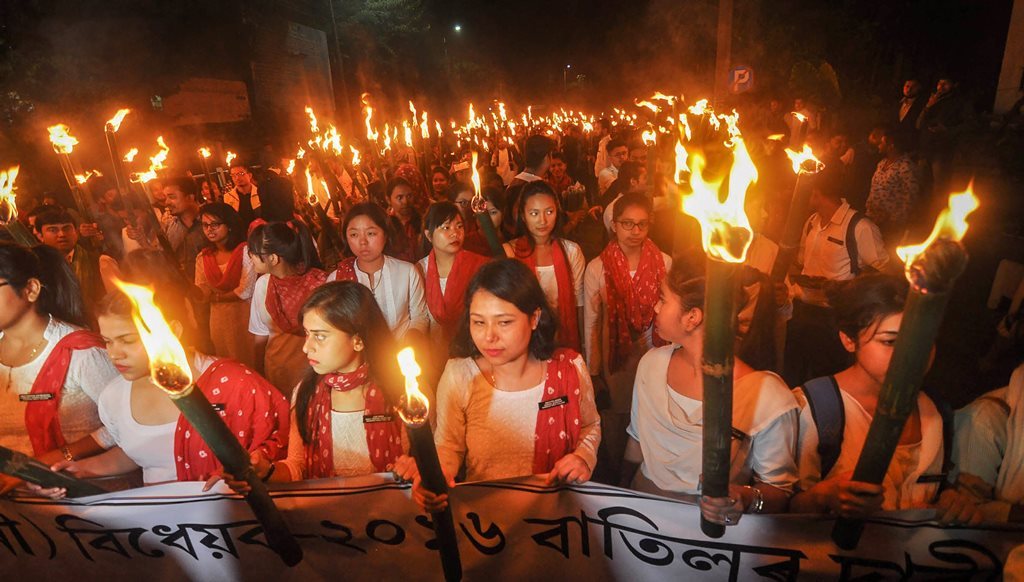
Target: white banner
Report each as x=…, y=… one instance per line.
x=368, y=528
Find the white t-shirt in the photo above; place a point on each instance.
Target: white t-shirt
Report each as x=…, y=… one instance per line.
x=669, y=428
x=492, y=430
x=89, y=373
x=910, y=462
x=260, y=322
x=399, y=291
x=150, y=446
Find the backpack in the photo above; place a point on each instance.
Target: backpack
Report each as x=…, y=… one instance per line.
x=829, y=414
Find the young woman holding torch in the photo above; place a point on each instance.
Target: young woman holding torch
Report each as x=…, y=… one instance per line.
x=667, y=418
x=506, y=368
x=143, y=426
x=869, y=311
x=343, y=419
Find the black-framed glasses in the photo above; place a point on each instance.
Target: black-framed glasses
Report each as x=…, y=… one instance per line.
x=632, y=225
x=212, y=225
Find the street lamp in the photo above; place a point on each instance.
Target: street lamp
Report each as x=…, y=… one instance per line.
x=458, y=28
x=565, y=78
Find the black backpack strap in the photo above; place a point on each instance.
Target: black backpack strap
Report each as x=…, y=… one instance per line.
x=851, y=242
x=826, y=404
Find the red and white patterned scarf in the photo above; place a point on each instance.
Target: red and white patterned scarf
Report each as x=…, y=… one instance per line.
x=447, y=307
x=568, y=326
x=558, y=421
x=285, y=296
x=630, y=299
x=382, y=425
x=232, y=275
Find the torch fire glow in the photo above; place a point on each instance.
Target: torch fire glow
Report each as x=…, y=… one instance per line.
x=63, y=144
x=932, y=268
x=479, y=206
x=204, y=157
x=229, y=158
x=414, y=410
x=130, y=156
x=114, y=123
x=170, y=370
x=9, y=209
x=805, y=163
x=726, y=235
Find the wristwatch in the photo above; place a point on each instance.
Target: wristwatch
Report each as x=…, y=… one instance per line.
x=757, y=505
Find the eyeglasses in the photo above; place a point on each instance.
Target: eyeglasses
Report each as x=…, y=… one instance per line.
x=212, y=225
x=238, y=174
x=462, y=202
x=630, y=225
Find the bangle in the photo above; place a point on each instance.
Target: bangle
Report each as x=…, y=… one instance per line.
x=757, y=505
x=64, y=450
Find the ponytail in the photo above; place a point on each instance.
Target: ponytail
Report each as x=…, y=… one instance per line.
x=291, y=241
x=60, y=295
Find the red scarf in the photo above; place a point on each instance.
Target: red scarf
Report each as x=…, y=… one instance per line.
x=630, y=301
x=42, y=413
x=346, y=270
x=255, y=412
x=446, y=307
x=559, y=186
x=558, y=422
x=382, y=425
x=285, y=296
x=568, y=327
x=232, y=275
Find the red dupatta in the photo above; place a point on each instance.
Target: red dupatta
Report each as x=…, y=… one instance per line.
x=630, y=301
x=383, y=427
x=568, y=328
x=232, y=275
x=446, y=307
x=558, y=421
x=42, y=411
x=255, y=412
x=285, y=296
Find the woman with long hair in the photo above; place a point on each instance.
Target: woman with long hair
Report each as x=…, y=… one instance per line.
x=226, y=278
x=52, y=370
x=557, y=263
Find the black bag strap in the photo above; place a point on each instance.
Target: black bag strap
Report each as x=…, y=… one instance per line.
x=851, y=243
x=829, y=416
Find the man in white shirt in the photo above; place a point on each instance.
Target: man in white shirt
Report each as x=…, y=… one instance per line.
x=604, y=129
x=243, y=197
x=618, y=152
x=838, y=244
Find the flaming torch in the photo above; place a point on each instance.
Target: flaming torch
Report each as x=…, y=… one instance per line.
x=63, y=144
x=170, y=370
x=932, y=268
x=204, y=156
x=414, y=410
x=110, y=130
x=804, y=164
x=9, y=210
x=726, y=236
x=479, y=206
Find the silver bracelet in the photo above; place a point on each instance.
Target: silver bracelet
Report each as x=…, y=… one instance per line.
x=757, y=505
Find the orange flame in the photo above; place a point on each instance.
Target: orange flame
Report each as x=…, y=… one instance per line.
x=648, y=105
x=477, y=196
x=799, y=116
x=424, y=127
x=311, y=196
x=472, y=116
x=115, y=122
x=681, y=158
x=355, y=156
x=291, y=167
x=205, y=152
x=83, y=178
x=416, y=406
x=63, y=143
x=501, y=111
x=371, y=134
x=649, y=137
x=718, y=218
x=332, y=139
x=168, y=363
x=130, y=156
x=312, y=120
x=407, y=133
x=776, y=137
x=437, y=126
x=7, y=196
x=804, y=161
x=300, y=154
x=229, y=158
x=950, y=225
x=156, y=163
x=659, y=96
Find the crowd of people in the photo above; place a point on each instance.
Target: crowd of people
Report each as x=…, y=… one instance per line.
x=573, y=351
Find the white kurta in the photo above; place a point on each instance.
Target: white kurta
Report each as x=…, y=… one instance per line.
x=89, y=373
x=399, y=291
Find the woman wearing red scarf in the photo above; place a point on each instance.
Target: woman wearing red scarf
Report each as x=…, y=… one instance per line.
x=405, y=220
x=461, y=195
x=557, y=263
x=52, y=371
x=286, y=257
x=447, y=271
x=620, y=288
x=144, y=429
x=225, y=275
x=343, y=419
x=511, y=403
